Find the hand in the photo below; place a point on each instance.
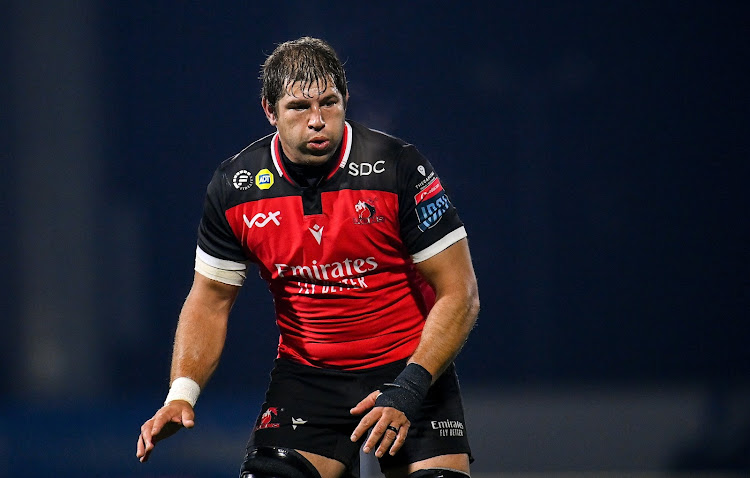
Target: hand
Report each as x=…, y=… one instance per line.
x=379, y=419
x=165, y=423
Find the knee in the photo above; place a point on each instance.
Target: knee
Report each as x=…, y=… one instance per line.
x=276, y=462
x=438, y=473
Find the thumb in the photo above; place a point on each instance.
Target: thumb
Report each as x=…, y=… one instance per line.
x=188, y=418
x=365, y=404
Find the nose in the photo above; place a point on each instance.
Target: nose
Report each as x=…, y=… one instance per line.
x=316, y=120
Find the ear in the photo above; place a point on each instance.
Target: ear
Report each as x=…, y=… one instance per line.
x=269, y=110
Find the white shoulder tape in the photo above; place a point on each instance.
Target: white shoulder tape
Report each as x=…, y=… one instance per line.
x=441, y=245
x=227, y=272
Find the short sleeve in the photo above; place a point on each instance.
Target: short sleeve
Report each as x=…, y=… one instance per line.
x=429, y=221
x=215, y=236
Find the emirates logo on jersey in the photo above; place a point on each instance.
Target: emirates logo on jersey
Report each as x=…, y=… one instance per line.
x=366, y=213
x=334, y=271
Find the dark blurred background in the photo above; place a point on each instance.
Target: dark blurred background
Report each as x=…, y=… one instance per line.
x=597, y=152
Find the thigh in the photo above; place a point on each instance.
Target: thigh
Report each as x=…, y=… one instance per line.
x=327, y=467
x=307, y=409
x=458, y=462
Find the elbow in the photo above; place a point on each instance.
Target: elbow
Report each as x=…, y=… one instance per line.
x=472, y=304
x=474, y=307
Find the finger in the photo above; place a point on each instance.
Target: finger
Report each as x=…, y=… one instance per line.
x=365, y=404
x=148, y=443
x=158, y=422
x=143, y=452
x=400, y=439
x=151, y=430
x=146, y=434
x=140, y=447
x=365, y=423
x=389, y=438
x=146, y=456
x=376, y=435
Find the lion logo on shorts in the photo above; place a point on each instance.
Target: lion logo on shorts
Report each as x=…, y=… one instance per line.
x=267, y=417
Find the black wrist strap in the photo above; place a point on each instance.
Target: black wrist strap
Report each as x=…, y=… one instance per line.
x=407, y=391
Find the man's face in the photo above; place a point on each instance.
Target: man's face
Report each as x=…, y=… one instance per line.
x=310, y=123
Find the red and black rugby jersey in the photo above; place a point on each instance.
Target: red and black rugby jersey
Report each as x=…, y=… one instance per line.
x=338, y=258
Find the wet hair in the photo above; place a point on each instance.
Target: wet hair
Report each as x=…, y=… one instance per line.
x=309, y=61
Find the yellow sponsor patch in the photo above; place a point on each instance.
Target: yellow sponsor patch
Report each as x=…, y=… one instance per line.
x=264, y=179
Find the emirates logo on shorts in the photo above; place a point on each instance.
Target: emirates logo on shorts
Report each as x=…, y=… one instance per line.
x=448, y=428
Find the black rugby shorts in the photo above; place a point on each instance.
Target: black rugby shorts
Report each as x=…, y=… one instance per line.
x=307, y=408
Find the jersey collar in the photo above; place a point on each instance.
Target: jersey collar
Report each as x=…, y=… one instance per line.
x=346, y=148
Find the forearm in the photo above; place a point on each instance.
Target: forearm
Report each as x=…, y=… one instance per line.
x=201, y=331
x=197, y=347
x=447, y=326
x=446, y=329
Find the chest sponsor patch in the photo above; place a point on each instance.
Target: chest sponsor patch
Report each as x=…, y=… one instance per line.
x=432, y=203
x=264, y=179
x=243, y=180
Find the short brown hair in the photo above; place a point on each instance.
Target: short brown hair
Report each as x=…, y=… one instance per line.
x=309, y=61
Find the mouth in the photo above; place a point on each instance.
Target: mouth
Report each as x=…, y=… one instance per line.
x=319, y=143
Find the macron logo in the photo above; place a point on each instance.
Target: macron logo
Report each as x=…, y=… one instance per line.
x=317, y=232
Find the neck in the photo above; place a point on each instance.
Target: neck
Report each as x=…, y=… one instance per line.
x=309, y=173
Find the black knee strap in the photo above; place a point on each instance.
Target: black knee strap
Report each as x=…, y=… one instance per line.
x=276, y=462
x=438, y=473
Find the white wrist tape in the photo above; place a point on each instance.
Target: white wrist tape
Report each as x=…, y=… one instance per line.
x=184, y=388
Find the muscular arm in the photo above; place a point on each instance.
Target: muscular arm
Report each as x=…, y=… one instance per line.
x=449, y=322
x=447, y=326
x=202, y=329
x=198, y=343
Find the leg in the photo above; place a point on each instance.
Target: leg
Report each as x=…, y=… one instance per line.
x=327, y=467
x=311, y=421
x=279, y=462
x=458, y=462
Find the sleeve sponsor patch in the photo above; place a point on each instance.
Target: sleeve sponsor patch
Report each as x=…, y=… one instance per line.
x=432, y=203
